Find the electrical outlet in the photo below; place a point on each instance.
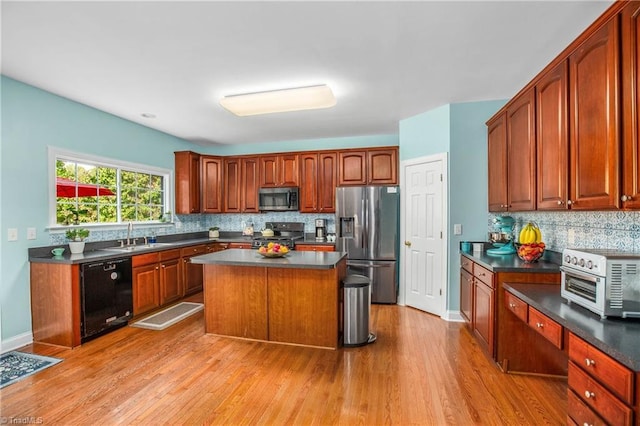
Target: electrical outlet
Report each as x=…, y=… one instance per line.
x=31, y=233
x=457, y=229
x=12, y=234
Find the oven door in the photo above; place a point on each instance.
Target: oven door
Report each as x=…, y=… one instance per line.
x=583, y=289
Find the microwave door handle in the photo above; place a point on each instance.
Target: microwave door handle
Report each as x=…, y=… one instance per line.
x=576, y=274
x=289, y=199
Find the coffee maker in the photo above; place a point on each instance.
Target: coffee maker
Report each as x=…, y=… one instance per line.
x=321, y=229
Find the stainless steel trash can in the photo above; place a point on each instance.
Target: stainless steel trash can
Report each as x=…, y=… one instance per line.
x=357, y=308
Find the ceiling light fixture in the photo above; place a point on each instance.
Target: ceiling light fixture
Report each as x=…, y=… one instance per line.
x=297, y=99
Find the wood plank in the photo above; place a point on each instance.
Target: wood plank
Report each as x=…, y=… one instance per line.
x=421, y=370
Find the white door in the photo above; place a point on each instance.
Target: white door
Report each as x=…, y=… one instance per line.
x=424, y=217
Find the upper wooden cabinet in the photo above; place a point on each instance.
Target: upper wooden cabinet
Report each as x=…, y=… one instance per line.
x=630, y=111
x=373, y=166
x=279, y=170
x=232, y=183
x=187, y=173
x=497, y=154
x=552, y=136
x=250, y=184
x=521, y=153
x=594, y=123
x=211, y=178
x=318, y=173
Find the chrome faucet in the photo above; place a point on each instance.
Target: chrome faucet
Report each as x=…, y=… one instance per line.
x=129, y=230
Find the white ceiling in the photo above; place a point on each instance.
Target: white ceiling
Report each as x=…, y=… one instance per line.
x=386, y=61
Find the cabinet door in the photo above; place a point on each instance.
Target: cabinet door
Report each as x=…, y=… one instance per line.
x=288, y=170
x=187, y=171
x=497, y=153
x=250, y=185
x=232, y=185
x=483, y=315
x=211, y=173
x=552, y=139
x=315, y=247
x=521, y=153
x=191, y=275
x=309, y=183
x=594, y=124
x=382, y=166
x=146, y=291
x=327, y=180
x=630, y=108
x=170, y=281
x=466, y=295
x=352, y=168
x=268, y=171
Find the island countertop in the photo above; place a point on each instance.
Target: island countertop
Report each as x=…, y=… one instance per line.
x=293, y=259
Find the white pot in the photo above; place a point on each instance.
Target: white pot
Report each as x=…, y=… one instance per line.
x=76, y=247
x=214, y=234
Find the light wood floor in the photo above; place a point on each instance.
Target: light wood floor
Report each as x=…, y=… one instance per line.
x=422, y=370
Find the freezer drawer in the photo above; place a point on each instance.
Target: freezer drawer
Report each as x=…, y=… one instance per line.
x=383, y=275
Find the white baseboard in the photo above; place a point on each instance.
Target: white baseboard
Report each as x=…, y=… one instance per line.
x=16, y=342
x=453, y=316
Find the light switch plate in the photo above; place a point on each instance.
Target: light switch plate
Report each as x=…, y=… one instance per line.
x=31, y=233
x=12, y=234
x=457, y=229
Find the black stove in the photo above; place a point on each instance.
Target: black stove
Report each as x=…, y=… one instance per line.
x=284, y=233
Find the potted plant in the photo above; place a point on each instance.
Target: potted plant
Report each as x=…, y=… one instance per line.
x=76, y=238
x=214, y=232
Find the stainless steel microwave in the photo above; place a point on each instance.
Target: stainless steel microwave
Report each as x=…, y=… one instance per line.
x=278, y=199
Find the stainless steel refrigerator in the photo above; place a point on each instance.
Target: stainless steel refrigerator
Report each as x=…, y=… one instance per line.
x=367, y=228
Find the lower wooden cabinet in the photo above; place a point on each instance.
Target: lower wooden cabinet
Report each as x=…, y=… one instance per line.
x=315, y=247
x=170, y=282
x=466, y=296
x=192, y=272
x=483, y=315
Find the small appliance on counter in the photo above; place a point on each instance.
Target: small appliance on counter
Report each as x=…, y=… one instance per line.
x=321, y=229
x=502, y=237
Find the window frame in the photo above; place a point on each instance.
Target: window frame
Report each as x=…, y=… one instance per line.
x=55, y=153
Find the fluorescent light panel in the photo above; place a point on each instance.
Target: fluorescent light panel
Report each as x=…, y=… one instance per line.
x=301, y=98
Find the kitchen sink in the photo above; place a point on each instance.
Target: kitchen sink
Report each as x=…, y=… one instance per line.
x=140, y=247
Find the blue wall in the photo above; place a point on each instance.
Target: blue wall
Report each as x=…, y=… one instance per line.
x=33, y=119
x=459, y=130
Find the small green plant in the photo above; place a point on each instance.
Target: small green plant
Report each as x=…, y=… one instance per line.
x=77, y=234
x=214, y=228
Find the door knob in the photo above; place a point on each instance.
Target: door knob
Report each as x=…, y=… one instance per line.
x=407, y=243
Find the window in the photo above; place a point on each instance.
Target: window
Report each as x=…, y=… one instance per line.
x=97, y=191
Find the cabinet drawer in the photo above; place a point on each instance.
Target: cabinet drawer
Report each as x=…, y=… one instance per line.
x=169, y=254
x=193, y=250
x=466, y=263
x=515, y=305
x=580, y=412
x=314, y=247
x=483, y=275
x=240, y=245
x=607, y=371
x=145, y=259
x=551, y=330
x=610, y=408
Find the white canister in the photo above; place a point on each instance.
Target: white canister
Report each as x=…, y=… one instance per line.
x=477, y=247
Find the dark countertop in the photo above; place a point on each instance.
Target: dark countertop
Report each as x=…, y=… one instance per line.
x=550, y=262
x=293, y=259
x=618, y=338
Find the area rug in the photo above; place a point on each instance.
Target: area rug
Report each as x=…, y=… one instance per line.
x=16, y=365
x=169, y=316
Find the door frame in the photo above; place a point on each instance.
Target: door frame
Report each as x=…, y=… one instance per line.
x=445, y=226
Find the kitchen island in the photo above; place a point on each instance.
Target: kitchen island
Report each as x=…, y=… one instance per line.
x=295, y=299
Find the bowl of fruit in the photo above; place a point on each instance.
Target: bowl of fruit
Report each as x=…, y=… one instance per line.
x=273, y=250
x=530, y=252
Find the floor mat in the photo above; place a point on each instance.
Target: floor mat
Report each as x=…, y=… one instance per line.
x=16, y=365
x=169, y=316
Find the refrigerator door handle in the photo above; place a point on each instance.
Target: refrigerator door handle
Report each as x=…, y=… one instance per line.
x=366, y=265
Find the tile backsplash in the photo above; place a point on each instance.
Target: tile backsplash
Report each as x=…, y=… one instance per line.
x=618, y=230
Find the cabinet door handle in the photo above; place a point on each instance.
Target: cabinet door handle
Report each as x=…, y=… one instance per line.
x=626, y=198
x=588, y=394
x=539, y=325
x=560, y=202
x=512, y=305
x=569, y=202
x=589, y=362
x=157, y=268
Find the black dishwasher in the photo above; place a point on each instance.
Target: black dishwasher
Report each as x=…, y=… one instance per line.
x=106, y=295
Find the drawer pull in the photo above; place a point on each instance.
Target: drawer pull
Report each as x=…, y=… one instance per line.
x=588, y=394
x=589, y=362
x=587, y=424
x=512, y=305
x=539, y=325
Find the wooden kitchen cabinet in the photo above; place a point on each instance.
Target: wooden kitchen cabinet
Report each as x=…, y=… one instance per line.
x=497, y=171
x=315, y=247
x=146, y=282
x=382, y=166
x=192, y=272
x=170, y=280
x=594, y=122
x=483, y=322
x=552, y=138
x=352, y=168
x=279, y=170
x=249, y=172
x=232, y=185
x=187, y=175
x=318, y=174
x=630, y=197
x=245, y=246
x=466, y=296
x=211, y=173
